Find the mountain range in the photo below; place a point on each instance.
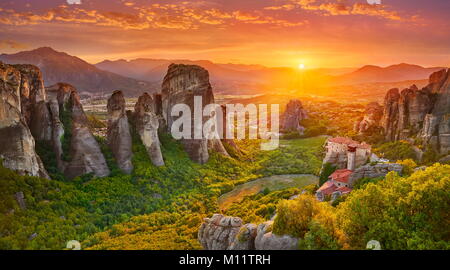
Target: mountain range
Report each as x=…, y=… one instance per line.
x=394, y=73
x=136, y=76
x=61, y=67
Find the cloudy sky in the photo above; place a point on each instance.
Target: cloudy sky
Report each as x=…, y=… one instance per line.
x=318, y=33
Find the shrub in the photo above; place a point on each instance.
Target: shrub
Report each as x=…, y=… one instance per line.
x=399, y=150
x=408, y=166
x=315, y=131
x=327, y=170
x=430, y=155
x=401, y=212
x=312, y=221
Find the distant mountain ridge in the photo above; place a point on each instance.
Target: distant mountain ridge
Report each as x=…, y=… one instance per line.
x=393, y=73
x=61, y=67
x=153, y=69
x=139, y=75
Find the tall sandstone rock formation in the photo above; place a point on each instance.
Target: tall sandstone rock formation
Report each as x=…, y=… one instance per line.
x=17, y=145
x=33, y=99
x=119, y=136
x=423, y=113
x=83, y=154
x=147, y=122
x=372, y=118
x=181, y=85
x=294, y=113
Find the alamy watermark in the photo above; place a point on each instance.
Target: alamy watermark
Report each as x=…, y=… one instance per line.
x=230, y=121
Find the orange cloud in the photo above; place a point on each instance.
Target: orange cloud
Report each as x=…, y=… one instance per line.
x=172, y=16
x=11, y=44
x=338, y=7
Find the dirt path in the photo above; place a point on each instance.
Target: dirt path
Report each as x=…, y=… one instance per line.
x=275, y=182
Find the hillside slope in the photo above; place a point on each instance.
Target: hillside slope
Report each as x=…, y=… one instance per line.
x=61, y=67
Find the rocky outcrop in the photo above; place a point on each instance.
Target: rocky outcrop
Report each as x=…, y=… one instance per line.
x=227, y=233
x=374, y=171
x=219, y=232
x=371, y=119
x=245, y=239
x=83, y=154
x=390, y=117
x=33, y=102
x=158, y=107
x=57, y=96
x=17, y=145
x=445, y=160
x=181, y=85
x=227, y=126
x=441, y=112
x=20, y=198
x=266, y=240
x=290, y=119
x=421, y=113
x=118, y=135
x=147, y=123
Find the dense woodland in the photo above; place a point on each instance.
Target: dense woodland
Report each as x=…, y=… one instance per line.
x=163, y=207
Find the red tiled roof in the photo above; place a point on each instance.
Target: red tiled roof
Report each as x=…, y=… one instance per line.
x=327, y=188
x=342, y=140
x=349, y=142
x=341, y=175
x=344, y=190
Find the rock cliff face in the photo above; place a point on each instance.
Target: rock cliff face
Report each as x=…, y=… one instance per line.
x=372, y=117
x=84, y=154
x=119, y=136
x=226, y=126
x=219, y=232
x=147, y=122
x=228, y=233
x=294, y=113
x=440, y=113
x=421, y=113
x=181, y=85
x=57, y=96
x=389, y=121
x=374, y=171
x=33, y=99
x=17, y=145
x=269, y=241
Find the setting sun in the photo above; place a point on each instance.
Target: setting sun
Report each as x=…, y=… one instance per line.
x=301, y=66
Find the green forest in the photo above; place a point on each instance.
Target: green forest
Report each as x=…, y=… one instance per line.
x=60, y=210
x=163, y=207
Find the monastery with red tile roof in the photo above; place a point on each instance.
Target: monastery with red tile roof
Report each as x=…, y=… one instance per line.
x=347, y=155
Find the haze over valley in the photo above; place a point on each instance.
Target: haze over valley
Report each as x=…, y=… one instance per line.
x=224, y=125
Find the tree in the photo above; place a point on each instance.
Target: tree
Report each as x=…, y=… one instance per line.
x=408, y=166
x=327, y=170
x=312, y=221
x=401, y=212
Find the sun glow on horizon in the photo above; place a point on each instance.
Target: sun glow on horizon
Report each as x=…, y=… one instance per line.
x=301, y=66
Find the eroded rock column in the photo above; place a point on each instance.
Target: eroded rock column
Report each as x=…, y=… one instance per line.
x=118, y=135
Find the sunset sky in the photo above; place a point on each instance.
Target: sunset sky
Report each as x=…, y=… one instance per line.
x=317, y=33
